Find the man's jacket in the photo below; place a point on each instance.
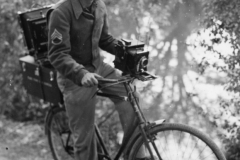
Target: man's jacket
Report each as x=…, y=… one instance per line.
x=75, y=37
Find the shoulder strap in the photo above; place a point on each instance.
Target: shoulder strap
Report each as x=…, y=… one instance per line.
x=48, y=14
x=94, y=6
x=52, y=8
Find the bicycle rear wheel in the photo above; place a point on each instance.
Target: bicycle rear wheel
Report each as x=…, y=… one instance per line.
x=59, y=135
x=179, y=142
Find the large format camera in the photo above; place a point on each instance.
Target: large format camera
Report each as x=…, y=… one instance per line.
x=131, y=57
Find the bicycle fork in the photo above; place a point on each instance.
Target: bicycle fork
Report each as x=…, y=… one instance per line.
x=151, y=138
x=142, y=122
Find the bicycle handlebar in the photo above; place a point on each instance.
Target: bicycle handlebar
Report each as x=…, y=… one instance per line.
x=144, y=76
x=106, y=80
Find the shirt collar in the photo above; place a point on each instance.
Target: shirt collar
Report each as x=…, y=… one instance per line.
x=77, y=8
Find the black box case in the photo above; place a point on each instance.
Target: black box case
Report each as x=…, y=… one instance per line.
x=40, y=81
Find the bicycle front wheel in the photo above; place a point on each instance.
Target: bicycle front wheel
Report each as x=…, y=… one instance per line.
x=172, y=141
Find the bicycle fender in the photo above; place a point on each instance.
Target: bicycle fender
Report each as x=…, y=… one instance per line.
x=158, y=122
x=137, y=135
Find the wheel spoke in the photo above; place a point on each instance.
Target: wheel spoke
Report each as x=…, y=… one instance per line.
x=60, y=136
x=192, y=148
x=156, y=150
x=161, y=148
x=166, y=145
x=180, y=142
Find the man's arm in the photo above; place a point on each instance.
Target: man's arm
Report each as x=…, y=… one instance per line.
x=59, y=48
x=107, y=42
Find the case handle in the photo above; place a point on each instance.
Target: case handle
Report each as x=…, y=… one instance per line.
x=24, y=67
x=37, y=72
x=51, y=76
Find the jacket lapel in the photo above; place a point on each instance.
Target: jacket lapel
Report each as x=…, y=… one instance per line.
x=77, y=8
x=97, y=29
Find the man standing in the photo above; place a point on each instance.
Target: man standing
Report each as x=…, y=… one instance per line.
x=77, y=28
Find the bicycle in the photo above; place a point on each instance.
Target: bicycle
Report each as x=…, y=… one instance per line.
x=162, y=140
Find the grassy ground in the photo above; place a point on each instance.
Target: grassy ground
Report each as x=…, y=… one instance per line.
x=23, y=141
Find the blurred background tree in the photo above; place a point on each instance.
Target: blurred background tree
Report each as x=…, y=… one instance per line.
x=189, y=89
x=167, y=27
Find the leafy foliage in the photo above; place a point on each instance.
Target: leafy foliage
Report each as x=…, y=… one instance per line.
x=15, y=103
x=222, y=19
x=23, y=141
x=12, y=94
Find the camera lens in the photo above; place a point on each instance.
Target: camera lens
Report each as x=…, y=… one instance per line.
x=144, y=62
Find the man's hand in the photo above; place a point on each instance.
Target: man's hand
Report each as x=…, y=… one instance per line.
x=90, y=79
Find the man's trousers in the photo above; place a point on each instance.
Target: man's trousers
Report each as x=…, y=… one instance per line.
x=80, y=107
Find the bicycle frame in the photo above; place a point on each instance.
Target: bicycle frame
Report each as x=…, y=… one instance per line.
x=142, y=122
x=139, y=130
x=143, y=134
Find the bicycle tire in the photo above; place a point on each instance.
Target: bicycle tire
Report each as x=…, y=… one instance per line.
x=166, y=132
x=58, y=133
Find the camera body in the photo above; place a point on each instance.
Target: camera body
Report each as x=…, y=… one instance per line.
x=131, y=57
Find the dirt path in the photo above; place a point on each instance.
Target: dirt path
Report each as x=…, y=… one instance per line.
x=20, y=141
